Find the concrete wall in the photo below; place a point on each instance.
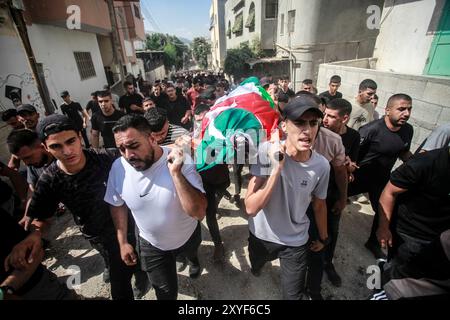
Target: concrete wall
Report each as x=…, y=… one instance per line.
x=398, y=33
x=15, y=70
x=54, y=48
x=431, y=95
x=325, y=31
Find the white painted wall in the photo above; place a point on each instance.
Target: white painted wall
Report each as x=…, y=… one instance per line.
x=404, y=41
x=15, y=70
x=54, y=47
x=218, y=33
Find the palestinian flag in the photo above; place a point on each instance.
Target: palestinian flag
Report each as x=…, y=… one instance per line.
x=247, y=111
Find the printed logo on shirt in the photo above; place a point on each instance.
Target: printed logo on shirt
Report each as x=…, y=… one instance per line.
x=304, y=183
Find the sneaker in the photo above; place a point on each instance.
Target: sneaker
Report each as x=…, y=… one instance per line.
x=362, y=199
x=237, y=200
x=219, y=253
x=106, y=277
x=333, y=276
x=194, y=270
x=375, y=249
x=181, y=263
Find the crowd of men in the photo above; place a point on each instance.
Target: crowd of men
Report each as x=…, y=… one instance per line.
x=138, y=199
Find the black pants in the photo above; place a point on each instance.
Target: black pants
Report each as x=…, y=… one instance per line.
x=293, y=262
x=211, y=210
x=87, y=145
x=120, y=273
x=318, y=260
x=366, y=182
x=160, y=265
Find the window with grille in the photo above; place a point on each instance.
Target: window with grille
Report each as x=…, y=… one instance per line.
x=291, y=21
x=271, y=9
x=85, y=65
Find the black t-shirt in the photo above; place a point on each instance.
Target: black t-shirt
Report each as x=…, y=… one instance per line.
x=104, y=124
x=176, y=111
x=73, y=111
x=10, y=235
x=350, y=140
x=380, y=147
x=424, y=210
x=290, y=93
x=126, y=101
x=81, y=193
x=327, y=95
x=161, y=100
x=93, y=106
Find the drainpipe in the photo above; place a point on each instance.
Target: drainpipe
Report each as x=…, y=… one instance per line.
x=293, y=68
x=115, y=38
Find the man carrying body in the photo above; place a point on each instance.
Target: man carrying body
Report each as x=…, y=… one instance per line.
x=163, y=132
x=279, y=194
x=166, y=199
x=383, y=141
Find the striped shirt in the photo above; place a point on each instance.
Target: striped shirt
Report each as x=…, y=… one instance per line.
x=173, y=133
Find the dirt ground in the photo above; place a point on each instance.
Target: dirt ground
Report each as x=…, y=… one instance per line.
x=233, y=279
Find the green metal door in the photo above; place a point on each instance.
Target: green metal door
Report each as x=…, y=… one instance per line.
x=438, y=63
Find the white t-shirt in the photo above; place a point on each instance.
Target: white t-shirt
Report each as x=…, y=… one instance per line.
x=283, y=220
x=153, y=201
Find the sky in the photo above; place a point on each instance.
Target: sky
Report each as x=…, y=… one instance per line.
x=183, y=18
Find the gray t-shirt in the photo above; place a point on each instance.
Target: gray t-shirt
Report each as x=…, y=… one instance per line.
x=439, y=138
x=284, y=220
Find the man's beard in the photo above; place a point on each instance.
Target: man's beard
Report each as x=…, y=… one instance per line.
x=147, y=161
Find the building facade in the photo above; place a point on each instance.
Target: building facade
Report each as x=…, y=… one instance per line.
x=217, y=29
x=411, y=56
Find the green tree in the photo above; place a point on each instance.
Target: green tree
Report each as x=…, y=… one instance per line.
x=236, y=60
x=201, y=48
x=174, y=49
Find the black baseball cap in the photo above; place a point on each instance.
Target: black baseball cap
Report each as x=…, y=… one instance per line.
x=64, y=93
x=26, y=108
x=54, y=123
x=299, y=105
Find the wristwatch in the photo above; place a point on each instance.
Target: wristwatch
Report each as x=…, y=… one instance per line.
x=326, y=241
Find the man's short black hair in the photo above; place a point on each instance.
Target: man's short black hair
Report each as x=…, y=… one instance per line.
x=396, y=97
x=132, y=121
x=127, y=83
x=103, y=93
x=18, y=139
x=284, y=77
x=368, y=84
x=156, y=118
x=202, y=107
x=342, y=106
x=335, y=79
x=8, y=114
x=147, y=99
x=307, y=81
x=94, y=94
